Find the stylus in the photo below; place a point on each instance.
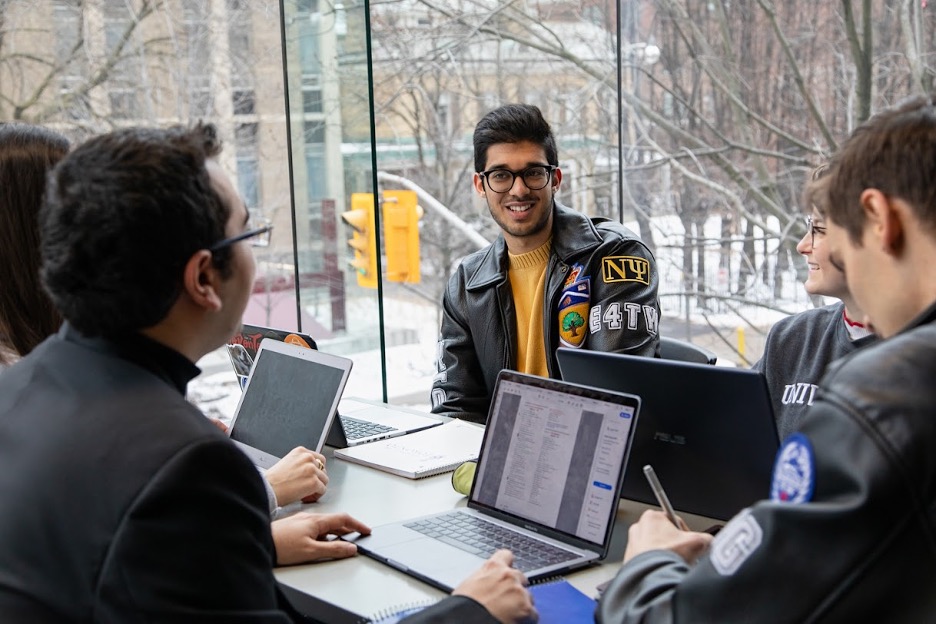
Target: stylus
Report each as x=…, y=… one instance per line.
x=660, y=494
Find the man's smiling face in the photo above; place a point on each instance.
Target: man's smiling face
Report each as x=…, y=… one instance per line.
x=524, y=215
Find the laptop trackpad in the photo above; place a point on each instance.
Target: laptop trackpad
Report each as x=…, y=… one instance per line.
x=421, y=555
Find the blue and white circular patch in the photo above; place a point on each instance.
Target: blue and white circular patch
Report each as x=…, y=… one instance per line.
x=794, y=474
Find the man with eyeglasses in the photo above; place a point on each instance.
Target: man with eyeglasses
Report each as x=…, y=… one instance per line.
x=119, y=501
x=554, y=277
x=848, y=532
x=800, y=347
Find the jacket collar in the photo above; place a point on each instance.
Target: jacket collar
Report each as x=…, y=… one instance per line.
x=573, y=233
x=925, y=317
x=169, y=365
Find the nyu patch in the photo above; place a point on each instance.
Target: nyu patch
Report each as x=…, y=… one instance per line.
x=794, y=474
x=573, y=308
x=735, y=543
x=625, y=269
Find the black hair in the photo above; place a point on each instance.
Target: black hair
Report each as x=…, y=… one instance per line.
x=124, y=212
x=513, y=123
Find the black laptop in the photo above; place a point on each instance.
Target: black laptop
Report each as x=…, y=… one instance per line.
x=708, y=431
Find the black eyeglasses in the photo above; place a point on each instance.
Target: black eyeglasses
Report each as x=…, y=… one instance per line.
x=257, y=229
x=502, y=180
x=813, y=230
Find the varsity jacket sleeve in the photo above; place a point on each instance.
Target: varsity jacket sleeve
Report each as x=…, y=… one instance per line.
x=459, y=389
x=847, y=534
x=624, y=311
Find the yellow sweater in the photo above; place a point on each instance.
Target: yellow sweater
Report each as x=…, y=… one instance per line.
x=527, y=276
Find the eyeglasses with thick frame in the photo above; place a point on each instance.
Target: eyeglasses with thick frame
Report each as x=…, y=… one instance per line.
x=813, y=230
x=535, y=177
x=258, y=230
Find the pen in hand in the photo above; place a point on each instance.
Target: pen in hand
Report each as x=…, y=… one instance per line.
x=661, y=495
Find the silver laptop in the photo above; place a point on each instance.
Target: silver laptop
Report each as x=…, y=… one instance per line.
x=708, y=431
x=358, y=421
x=290, y=399
x=547, y=486
x=362, y=421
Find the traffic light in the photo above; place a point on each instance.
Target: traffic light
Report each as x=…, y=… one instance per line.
x=363, y=239
x=401, y=216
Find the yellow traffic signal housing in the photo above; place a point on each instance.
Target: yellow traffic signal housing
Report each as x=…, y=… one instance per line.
x=401, y=214
x=363, y=239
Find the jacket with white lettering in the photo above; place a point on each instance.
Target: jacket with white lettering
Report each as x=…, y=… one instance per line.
x=849, y=534
x=797, y=351
x=601, y=294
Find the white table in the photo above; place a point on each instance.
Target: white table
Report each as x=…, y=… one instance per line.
x=350, y=590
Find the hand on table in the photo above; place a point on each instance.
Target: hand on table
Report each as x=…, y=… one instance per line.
x=300, y=538
x=300, y=475
x=654, y=531
x=501, y=589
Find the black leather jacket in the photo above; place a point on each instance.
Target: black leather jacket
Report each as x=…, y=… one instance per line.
x=862, y=548
x=479, y=328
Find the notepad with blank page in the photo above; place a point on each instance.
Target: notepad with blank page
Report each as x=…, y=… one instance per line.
x=421, y=454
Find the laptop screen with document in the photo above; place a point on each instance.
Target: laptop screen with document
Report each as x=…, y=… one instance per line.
x=541, y=434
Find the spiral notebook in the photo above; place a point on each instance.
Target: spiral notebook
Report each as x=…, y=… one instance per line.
x=557, y=601
x=421, y=454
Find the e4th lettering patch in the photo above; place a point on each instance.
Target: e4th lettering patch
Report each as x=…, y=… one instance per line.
x=625, y=269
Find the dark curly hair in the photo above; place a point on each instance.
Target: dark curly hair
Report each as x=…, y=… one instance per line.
x=124, y=212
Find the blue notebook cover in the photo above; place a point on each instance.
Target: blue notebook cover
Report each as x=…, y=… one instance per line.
x=559, y=602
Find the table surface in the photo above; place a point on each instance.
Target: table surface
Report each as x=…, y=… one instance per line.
x=353, y=589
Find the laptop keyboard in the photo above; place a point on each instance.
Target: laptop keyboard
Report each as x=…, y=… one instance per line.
x=355, y=429
x=482, y=538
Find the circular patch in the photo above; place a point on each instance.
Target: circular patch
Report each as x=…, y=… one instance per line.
x=794, y=474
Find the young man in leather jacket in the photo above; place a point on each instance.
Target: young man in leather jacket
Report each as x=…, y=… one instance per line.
x=849, y=532
x=553, y=277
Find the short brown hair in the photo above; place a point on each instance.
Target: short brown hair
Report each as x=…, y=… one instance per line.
x=893, y=152
x=816, y=192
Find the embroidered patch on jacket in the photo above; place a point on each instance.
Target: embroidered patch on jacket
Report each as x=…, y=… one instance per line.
x=574, y=274
x=735, y=543
x=625, y=269
x=794, y=475
x=573, y=308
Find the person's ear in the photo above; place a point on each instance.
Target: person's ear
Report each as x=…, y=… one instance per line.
x=201, y=281
x=886, y=219
x=478, y=184
x=556, y=179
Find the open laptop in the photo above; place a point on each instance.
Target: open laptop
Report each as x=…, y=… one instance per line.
x=359, y=422
x=291, y=399
x=708, y=431
x=547, y=486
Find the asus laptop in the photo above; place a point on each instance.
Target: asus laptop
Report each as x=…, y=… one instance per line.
x=358, y=422
x=708, y=431
x=547, y=485
x=291, y=399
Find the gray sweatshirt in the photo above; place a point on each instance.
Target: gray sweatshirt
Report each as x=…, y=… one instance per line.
x=796, y=354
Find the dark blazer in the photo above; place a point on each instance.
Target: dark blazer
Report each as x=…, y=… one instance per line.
x=120, y=502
